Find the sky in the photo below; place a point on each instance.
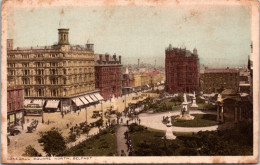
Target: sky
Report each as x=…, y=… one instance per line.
x=220, y=34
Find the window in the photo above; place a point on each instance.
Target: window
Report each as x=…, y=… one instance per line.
x=26, y=72
x=27, y=92
x=26, y=81
x=54, y=81
x=39, y=92
x=25, y=55
x=39, y=81
x=25, y=64
x=54, y=92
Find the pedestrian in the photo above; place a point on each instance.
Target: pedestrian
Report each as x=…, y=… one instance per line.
x=127, y=122
x=48, y=121
x=121, y=120
x=139, y=121
x=123, y=153
x=67, y=125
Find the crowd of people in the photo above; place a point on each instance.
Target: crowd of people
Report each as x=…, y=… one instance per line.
x=130, y=148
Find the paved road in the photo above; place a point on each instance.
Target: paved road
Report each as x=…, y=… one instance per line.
x=120, y=139
x=19, y=142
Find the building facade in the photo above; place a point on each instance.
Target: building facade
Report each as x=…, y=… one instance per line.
x=61, y=72
x=244, y=79
x=182, y=70
x=217, y=80
x=108, y=75
x=231, y=107
x=127, y=81
x=15, y=108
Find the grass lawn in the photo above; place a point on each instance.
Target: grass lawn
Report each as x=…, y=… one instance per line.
x=149, y=142
x=200, y=120
x=165, y=105
x=207, y=106
x=236, y=141
x=102, y=144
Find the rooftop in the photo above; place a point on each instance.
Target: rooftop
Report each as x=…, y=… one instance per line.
x=220, y=71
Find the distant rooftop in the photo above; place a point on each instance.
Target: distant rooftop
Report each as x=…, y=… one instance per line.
x=220, y=71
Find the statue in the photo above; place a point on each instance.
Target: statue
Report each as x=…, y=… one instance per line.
x=184, y=115
x=194, y=104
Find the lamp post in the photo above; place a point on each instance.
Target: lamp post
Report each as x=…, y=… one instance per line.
x=42, y=112
x=102, y=117
x=86, y=115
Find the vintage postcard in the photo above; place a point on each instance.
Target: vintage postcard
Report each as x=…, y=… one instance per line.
x=130, y=81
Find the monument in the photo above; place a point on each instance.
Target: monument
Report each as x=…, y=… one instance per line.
x=185, y=113
x=194, y=104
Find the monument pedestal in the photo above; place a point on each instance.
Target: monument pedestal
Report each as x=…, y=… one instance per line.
x=169, y=135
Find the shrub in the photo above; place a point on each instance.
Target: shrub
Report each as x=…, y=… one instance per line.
x=72, y=137
x=136, y=128
x=53, y=142
x=31, y=152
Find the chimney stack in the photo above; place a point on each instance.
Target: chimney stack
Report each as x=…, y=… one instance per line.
x=114, y=57
x=9, y=44
x=119, y=59
x=100, y=58
x=107, y=57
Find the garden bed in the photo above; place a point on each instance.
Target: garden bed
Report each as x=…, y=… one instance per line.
x=102, y=144
x=200, y=120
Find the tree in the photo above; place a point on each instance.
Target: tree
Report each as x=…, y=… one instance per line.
x=53, y=142
x=31, y=152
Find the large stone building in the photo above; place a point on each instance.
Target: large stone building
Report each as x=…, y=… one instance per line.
x=127, y=81
x=216, y=80
x=15, y=109
x=244, y=79
x=182, y=70
x=231, y=107
x=108, y=75
x=61, y=75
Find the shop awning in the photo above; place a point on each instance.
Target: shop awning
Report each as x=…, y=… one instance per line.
x=77, y=101
x=148, y=86
x=89, y=99
x=39, y=102
x=26, y=102
x=84, y=100
x=52, y=104
x=158, y=83
x=162, y=82
x=93, y=97
x=98, y=96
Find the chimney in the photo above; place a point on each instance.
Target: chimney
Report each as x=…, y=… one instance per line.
x=107, y=57
x=100, y=58
x=114, y=57
x=9, y=44
x=119, y=59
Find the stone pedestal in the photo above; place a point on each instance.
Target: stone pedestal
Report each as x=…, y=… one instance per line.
x=169, y=135
x=185, y=115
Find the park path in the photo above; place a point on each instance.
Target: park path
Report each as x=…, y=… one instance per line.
x=120, y=139
x=155, y=121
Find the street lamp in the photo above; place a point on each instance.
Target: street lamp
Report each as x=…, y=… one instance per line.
x=86, y=115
